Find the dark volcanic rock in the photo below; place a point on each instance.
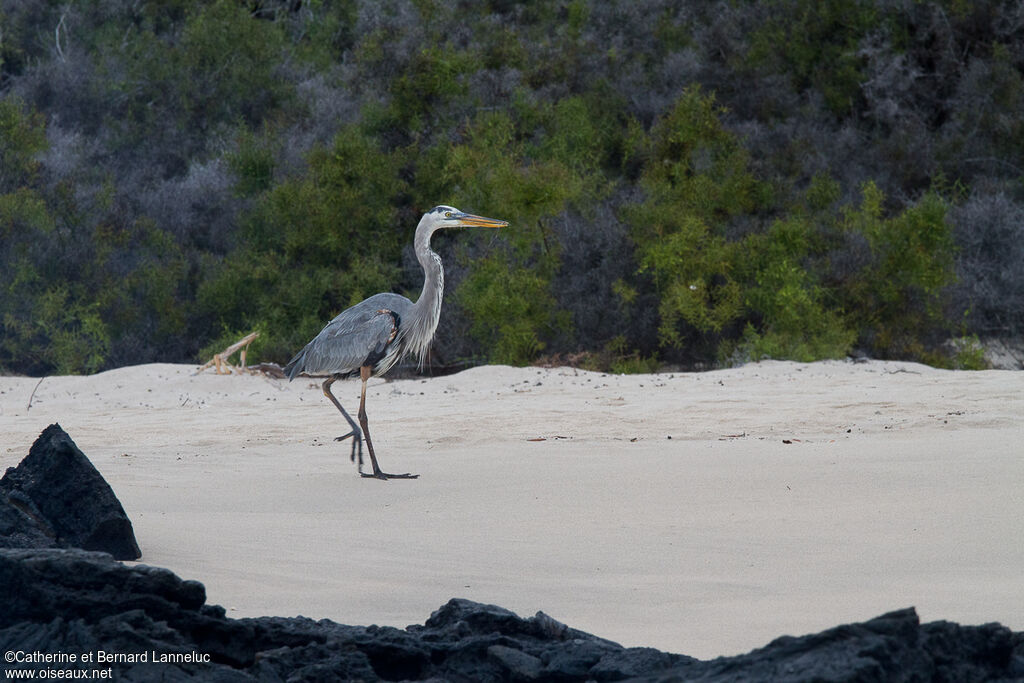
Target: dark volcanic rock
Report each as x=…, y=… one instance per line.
x=892, y=647
x=73, y=601
x=56, y=498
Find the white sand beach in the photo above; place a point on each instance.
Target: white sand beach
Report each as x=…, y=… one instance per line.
x=701, y=513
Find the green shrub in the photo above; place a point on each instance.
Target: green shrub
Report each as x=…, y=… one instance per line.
x=323, y=31
x=314, y=245
x=253, y=162
x=432, y=77
x=693, y=271
x=419, y=86
x=667, y=230
x=155, y=287
x=795, y=323
x=24, y=211
x=582, y=133
x=968, y=353
x=22, y=137
x=626, y=361
x=696, y=178
x=816, y=43
x=64, y=334
x=506, y=293
x=511, y=308
x=795, y=314
x=177, y=84
x=49, y=320
x=896, y=299
x=698, y=165
x=228, y=57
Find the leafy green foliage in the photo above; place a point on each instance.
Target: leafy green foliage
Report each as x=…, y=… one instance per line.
x=22, y=137
x=228, y=58
x=774, y=283
x=507, y=293
x=253, y=163
x=795, y=318
x=510, y=308
x=685, y=182
x=314, y=244
x=696, y=179
x=817, y=43
x=897, y=298
x=172, y=87
x=65, y=332
x=44, y=321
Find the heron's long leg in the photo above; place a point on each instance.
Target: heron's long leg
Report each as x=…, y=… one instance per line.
x=356, y=434
x=364, y=374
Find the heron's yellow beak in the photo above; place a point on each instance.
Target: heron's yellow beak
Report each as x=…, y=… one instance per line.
x=471, y=221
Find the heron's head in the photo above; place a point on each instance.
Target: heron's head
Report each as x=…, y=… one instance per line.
x=450, y=217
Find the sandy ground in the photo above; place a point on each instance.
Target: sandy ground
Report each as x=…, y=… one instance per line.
x=702, y=513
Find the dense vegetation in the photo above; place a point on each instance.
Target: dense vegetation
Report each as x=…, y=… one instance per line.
x=694, y=183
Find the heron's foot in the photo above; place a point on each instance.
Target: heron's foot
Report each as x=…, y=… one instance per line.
x=355, y=433
x=384, y=476
x=357, y=444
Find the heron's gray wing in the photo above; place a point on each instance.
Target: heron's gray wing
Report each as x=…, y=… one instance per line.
x=358, y=336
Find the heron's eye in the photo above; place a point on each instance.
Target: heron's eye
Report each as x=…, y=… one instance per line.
x=447, y=214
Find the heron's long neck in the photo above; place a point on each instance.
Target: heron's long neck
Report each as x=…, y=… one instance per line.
x=427, y=309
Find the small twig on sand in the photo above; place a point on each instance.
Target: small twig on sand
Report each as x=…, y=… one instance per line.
x=33, y=395
x=899, y=370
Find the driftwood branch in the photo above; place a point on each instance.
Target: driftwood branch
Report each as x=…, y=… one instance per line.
x=29, y=406
x=221, y=362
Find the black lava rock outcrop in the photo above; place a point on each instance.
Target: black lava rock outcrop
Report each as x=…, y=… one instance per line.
x=892, y=647
x=55, y=498
x=147, y=624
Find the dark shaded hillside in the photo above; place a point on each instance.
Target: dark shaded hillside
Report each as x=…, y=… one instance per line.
x=687, y=182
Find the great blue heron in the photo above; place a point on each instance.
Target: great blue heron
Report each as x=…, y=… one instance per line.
x=369, y=338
